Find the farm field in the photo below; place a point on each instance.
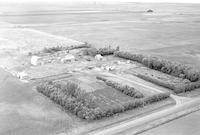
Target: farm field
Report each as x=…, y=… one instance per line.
x=126, y=25
x=186, y=125
x=170, y=32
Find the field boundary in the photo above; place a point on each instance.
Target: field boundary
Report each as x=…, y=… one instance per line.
x=135, y=129
x=166, y=119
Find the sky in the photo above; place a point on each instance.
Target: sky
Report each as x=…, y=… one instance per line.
x=102, y=1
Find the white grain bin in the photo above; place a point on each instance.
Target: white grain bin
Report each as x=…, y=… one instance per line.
x=22, y=75
x=34, y=60
x=109, y=68
x=99, y=57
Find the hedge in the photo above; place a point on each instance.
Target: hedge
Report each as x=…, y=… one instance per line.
x=61, y=48
x=103, y=51
x=176, y=88
x=173, y=68
x=82, y=104
x=125, y=89
x=72, y=98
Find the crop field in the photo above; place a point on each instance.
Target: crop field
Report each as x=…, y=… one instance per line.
x=127, y=25
x=33, y=40
x=108, y=97
x=187, y=54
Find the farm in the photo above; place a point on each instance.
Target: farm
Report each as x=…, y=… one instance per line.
x=124, y=65
x=94, y=77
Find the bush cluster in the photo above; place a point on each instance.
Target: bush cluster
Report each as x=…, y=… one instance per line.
x=107, y=50
x=52, y=49
x=90, y=51
x=176, y=88
x=125, y=89
x=62, y=48
x=159, y=82
x=187, y=87
x=82, y=104
x=165, y=66
x=103, y=51
x=72, y=98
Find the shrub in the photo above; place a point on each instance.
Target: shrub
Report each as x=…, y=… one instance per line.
x=130, y=91
x=107, y=50
x=90, y=51
x=103, y=51
x=52, y=49
x=156, y=98
x=176, y=88
x=62, y=48
x=165, y=66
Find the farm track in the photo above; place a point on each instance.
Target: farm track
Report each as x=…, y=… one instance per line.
x=52, y=77
x=178, y=99
x=134, y=125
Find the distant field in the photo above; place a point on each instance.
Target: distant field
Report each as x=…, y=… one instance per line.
x=32, y=40
x=127, y=25
x=187, y=54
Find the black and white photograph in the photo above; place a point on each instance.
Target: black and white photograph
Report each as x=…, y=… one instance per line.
x=99, y=67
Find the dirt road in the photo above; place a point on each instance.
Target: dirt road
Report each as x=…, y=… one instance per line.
x=132, y=125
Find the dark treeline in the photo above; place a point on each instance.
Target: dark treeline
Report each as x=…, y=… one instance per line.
x=173, y=68
x=176, y=88
x=103, y=51
x=62, y=48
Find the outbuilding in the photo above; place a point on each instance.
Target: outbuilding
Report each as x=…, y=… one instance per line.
x=35, y=60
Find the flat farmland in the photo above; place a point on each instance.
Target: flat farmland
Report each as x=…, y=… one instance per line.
x=108, y=97
x=33, y=40
x=127, y=25
x=187, y=54
x=171, y=31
